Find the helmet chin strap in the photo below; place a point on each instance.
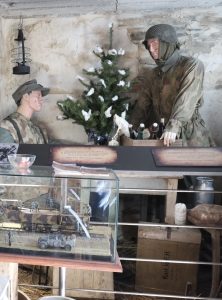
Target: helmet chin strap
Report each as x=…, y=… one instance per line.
x=159, y=62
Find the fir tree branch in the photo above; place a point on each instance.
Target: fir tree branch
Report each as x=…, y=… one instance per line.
x=91, y=110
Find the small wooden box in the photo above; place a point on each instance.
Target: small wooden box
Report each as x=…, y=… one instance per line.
x=78, y=282
x=165, y=243
x=125, y=141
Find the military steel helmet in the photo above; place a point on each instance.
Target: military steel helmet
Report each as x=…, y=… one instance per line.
x=163, y=32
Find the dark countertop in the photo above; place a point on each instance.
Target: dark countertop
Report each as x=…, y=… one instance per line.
x=130, y=160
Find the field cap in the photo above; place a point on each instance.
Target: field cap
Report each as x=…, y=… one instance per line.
x=28, y=87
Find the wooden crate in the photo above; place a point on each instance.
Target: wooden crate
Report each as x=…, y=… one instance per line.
x=84, y=279
x=125, y=141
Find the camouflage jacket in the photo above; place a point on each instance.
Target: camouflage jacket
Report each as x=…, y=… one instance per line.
x=175, y=94
x=21, y=130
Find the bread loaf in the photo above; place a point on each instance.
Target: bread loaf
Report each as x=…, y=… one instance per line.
x=206, y=215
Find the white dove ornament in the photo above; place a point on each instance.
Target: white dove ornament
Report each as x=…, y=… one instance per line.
x=123, y=125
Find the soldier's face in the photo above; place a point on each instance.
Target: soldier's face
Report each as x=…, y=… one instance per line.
x=35, y=100
x=153, y=46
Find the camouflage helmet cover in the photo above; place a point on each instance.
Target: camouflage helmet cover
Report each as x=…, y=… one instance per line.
x=163, y=32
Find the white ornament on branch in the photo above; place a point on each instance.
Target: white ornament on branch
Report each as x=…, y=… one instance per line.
x=122, y=72
x=103, y=82
x=86, y=114
x=98, y=50
x=80, y=77
x=69, y=97
x=108, y=112
x=91, y=70
x=60, y=118
x=121, y=83
x=112, y=52
x=121, y=51
x=90, y=92
x=115, y=98
x=101, y=98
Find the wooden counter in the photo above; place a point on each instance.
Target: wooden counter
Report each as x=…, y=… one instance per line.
x=137, y=171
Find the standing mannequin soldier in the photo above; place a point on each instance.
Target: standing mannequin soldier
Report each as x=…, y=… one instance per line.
x=173, y=90
x=18, y=127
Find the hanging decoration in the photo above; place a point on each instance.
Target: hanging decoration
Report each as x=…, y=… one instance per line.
x=21, y=54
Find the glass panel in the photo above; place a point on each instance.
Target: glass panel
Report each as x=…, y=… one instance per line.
x=71, y=217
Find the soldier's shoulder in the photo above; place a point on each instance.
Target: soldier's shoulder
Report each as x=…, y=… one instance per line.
x=191, y=61
x=14, y=116
x=6, y=132
x=5, y=121
x=6, y=136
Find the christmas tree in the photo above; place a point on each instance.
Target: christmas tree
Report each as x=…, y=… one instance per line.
x=104, y=94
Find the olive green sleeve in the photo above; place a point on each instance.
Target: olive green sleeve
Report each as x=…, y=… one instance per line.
x=188, y=98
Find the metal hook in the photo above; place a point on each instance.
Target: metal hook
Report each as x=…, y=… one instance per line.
x=116, y=8
x=20, y=26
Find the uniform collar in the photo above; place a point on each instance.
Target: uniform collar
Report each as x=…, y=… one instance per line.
x=172, y=60
x=21, y=116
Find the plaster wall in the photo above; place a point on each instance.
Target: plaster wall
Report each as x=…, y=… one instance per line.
x=62, y=46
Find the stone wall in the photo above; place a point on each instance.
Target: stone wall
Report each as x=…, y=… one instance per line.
x=62, y=46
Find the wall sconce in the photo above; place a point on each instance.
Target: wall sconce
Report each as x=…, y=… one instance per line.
x=20, y=54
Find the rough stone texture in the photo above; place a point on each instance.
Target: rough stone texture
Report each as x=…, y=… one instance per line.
x=62, y=46
x=69, y=7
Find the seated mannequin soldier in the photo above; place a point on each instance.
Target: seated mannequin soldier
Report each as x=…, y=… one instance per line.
x=18, y=126
x=173, y=90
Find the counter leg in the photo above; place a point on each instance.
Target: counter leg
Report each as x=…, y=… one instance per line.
x=215, y=239
x=171, y=198
x=62, y=281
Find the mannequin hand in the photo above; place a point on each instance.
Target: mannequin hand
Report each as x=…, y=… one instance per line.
x=168, y=138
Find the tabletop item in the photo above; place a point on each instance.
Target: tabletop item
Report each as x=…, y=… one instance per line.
x=205, y=186
x=180, y=214
x=21, y=161
x=154, y=128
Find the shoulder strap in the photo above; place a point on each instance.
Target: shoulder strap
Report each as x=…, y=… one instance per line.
x=20, y=139
x=40, y=129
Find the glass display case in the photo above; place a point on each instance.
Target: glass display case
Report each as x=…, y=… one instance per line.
x=57, y=213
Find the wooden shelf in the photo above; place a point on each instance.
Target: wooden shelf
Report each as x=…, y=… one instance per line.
x=68, y=263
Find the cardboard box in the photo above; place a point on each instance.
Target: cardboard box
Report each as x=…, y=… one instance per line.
x=125, y=141
x=181, y=244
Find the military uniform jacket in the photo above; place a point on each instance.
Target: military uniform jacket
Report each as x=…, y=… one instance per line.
x=23, y=130
x=176, y=95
